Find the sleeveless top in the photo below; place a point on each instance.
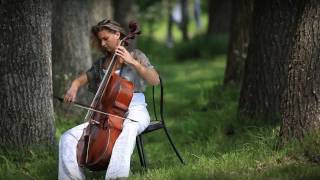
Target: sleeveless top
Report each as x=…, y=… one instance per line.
x=95, y=73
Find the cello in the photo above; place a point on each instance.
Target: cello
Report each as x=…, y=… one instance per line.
x=112, y=98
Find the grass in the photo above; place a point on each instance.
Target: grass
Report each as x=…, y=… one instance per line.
x=201, y=116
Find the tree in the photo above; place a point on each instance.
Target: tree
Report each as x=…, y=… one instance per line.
x=71, y=53
x=238, y=41
x=266, y=70
x=122, y=10
x=99, y=10
x=26, y=108
x=300, y=106
x=185, y=20
x=219, y=16
x=281, y=75
x=169, y=40
x=177, y=14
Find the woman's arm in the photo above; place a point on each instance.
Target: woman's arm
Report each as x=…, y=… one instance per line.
x=71, y=94
x=149, y=74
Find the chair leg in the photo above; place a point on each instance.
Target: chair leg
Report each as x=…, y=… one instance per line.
x=144, y=155
x=140, y=152
x=173, y=146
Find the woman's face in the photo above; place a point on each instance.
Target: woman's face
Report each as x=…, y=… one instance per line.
x=108, y=40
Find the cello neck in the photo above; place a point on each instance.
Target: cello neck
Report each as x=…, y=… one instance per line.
x=103, y=84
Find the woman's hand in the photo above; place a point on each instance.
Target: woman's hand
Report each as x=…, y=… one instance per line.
x=125, y=55
x=71, y=94
x=150, y=75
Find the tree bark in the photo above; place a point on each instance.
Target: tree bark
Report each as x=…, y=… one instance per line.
x=300, y=107
x=121, y=14
x=169, y=40
x=26, y=108
x=99, y=10
x=71, y=53
x=219, y=16
x=185, y=20
x=122, y=9
x=266, y=70
x=238, y=41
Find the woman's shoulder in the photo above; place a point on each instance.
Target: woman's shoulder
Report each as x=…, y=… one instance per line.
x=141, y=57
x=137, y=52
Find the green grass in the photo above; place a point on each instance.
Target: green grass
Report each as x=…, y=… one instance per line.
x=201, y=116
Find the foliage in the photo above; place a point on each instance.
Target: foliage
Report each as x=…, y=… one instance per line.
x=149, y=14
x=145, y=4
x=201, y=47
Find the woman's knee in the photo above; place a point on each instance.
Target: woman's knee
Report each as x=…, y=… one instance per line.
x=64, y=138
x=67, y=138
x=73, y=134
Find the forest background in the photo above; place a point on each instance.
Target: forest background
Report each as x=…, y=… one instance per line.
x=241, y=81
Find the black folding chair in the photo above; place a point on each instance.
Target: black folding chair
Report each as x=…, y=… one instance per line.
x=155, y=125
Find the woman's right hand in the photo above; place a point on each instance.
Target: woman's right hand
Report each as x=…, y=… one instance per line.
x=71, y=94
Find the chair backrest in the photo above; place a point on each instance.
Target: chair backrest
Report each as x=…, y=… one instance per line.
x=161, y=102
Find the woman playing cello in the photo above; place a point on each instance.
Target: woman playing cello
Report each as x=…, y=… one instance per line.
x=133, y=66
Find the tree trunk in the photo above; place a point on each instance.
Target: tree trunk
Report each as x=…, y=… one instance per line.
x=99, y=10
x=238, y=41
x=122, y=9
x=121, y=14
x=219, y=16
x=185, y=20
x=265, y=78
x=301, y=101
x=26, y=108
x=70, y=47
x=169, y=40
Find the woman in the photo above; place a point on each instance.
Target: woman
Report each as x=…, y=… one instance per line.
x=133, y=66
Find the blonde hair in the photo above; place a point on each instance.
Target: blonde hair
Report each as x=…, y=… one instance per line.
x=108, y=25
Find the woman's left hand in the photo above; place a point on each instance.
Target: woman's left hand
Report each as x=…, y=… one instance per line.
x=125, y=55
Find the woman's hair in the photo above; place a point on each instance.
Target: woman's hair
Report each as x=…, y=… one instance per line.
x=110, y=25
x=106, y=24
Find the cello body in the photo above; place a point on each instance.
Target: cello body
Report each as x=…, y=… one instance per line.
x=95, y=146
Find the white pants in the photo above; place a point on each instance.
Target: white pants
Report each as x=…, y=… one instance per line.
x=119, y=165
